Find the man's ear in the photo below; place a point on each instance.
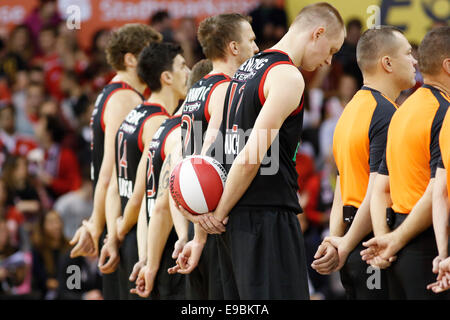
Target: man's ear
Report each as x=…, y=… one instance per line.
x=130, y=60
x=233, y=47
x=318, y=32
x=446, y=65
x=386, y=63
x=166, y=78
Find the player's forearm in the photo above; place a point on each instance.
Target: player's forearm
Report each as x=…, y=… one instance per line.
x=112, y=208
x=418, y=220
x=158, y=232
x=200, y=234
x=180, y=223
x=142, y=233
x=238, y=180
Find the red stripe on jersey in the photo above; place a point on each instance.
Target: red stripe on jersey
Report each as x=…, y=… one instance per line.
x=141, y=129
x=279, y=51
x=262, y=98
x=207, y=115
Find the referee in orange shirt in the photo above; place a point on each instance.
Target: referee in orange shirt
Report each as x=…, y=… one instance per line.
x=384, y=57
x=406, y=179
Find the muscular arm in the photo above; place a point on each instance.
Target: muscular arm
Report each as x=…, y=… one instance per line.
x=379, y=201
x=216, y=103
x=283, y=90
x=119, y=105
x=131, y=212
x=441, y=212
x=337, y=226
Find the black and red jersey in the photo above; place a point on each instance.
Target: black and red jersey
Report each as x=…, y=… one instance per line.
x=275, y=184
x=98, y=126
x=195, y=117
x=129, y=147
x=156, y=157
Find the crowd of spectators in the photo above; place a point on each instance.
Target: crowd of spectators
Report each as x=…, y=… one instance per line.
x=48, y=85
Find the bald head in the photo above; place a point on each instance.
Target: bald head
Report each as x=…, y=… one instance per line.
x=320, y=13
x=376, y=43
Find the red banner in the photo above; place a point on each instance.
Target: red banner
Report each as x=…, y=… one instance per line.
x=91, y=15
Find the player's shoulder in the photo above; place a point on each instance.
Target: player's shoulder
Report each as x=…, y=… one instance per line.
x=129, y=98
x=286, y=74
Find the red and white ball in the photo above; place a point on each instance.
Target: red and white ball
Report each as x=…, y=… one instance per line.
x=197, y=183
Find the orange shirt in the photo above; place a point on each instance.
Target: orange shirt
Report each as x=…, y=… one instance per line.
x=412, y=150
x=359, y=142
x=444, y=143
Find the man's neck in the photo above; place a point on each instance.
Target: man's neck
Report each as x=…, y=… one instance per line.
x=287, y=44
x=167, y=98
x=438, y=82
x=387, y=88
x=131, y=78
x=228, y=67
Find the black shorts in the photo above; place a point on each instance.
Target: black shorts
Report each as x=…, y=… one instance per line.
x=360, y=280
x=266, y=252
x=410, y=274
x=204, y=282
x=166, y=286
x=110, y=282
x=129, y=256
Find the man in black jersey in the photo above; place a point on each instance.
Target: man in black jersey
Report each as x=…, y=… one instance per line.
x=116, y=100
x=133, y=137
x=164, y=153
x=263, y=239
x=227, y=40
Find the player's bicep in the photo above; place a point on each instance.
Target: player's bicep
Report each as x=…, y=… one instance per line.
x=282, y=99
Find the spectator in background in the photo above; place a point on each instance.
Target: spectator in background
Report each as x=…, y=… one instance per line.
x=99, y=72
x=76, y=101
x=269, y=22
x=58, y=169
x=13, y=263
x=72, y=56
x=12, y=143
x=27, y=115
x=347, y=55
x=186, y=36
x=49, y=246
x=50, y=60
x=19, y=53
x=22, y=193
x=75, y=206
x=45, y=14
x=162, y=23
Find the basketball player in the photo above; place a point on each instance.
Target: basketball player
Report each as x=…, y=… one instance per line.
x=407, y=176
x=133, y=137
x=116, y=100
x=199, y=70
x=388, y=67
x=265, y=98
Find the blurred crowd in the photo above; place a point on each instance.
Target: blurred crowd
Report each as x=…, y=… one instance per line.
x=48, y=86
